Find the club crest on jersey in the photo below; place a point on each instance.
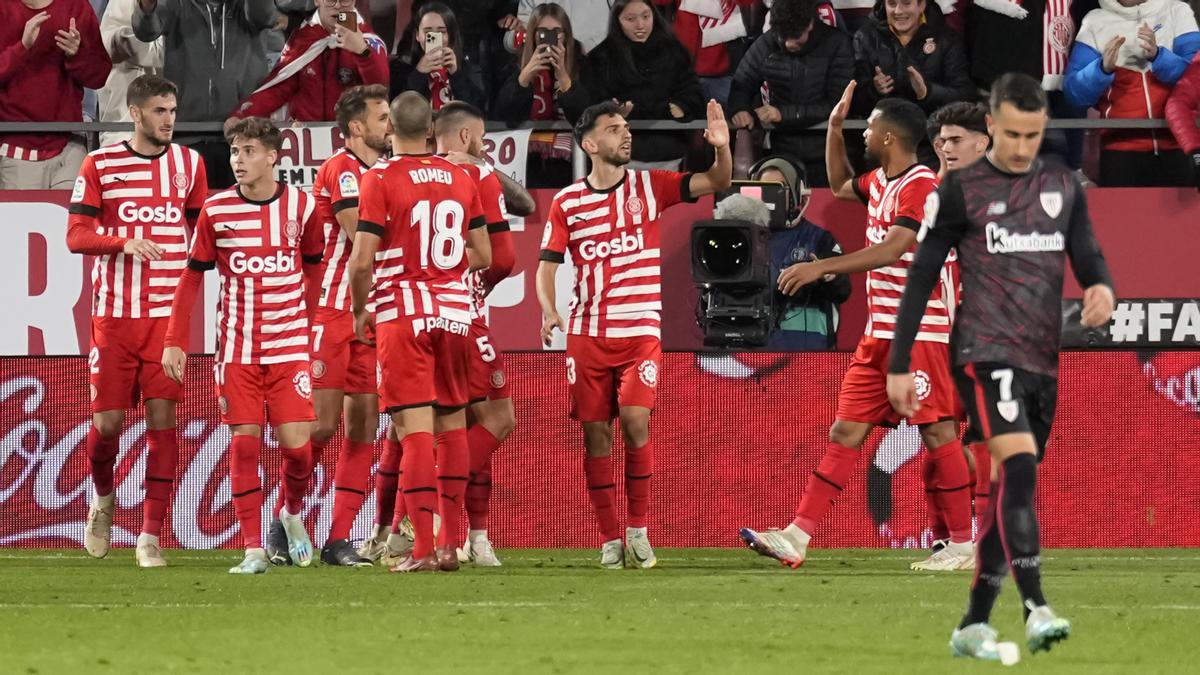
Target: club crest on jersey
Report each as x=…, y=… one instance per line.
x=302, y=384
x=930, y=46
x=497, y=379
x=648, y=373
x=348, y=184
x=93, y=391
x=80, y=189
x=318, y=369
x=923, y=384
x=634, y=206
x=180, y=181
x=292, y=231
x=1052, y=203
x=1008, y=410
x=223, y=404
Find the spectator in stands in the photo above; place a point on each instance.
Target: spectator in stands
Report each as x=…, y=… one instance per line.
x=323, y=58
x=548, y=83
x=1127, y=57
x=904, y=50
x=49, y=51
x=590, y=17
x=441, y=74
x=642, y=66
x=959, y=134
x=1183, y=107
x=806, y=66
x=214, y=54
x=712, y=33
x=807, y=320
x=131, y=59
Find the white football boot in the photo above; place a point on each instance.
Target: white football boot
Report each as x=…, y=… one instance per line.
x=148, y=554
x=97, y=535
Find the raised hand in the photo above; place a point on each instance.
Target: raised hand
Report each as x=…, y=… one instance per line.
x=884, y=84
x=717, y=131
x=350, y=40
x=1148, y=42
x=917, y=80
x=842, y=109
x=68, y=40
x=33, y=28
x=1112, y=52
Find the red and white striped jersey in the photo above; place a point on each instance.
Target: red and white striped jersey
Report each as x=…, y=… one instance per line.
x=257, y=247
x=421, y=207
x=135, y=196
x=336, y=189
x=900, y=202
x=613, y=238
x=491, y=198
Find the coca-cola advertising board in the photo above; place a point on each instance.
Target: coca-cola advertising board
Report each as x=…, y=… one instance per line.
x=736, y=437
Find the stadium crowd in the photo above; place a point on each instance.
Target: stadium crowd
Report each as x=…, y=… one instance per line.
x=777, y=66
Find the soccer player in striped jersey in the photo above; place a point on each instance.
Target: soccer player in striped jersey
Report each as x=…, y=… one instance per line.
x=895, y=195
x=343, y=367
x=129, y=209
x=609, y=223
x=259, y=235
x=428, y=210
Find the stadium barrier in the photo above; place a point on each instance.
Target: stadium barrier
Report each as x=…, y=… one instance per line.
x=735, y=436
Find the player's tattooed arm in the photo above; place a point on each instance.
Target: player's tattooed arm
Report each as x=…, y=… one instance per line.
x=547, y=298
x=517, y=199
x=837, y=163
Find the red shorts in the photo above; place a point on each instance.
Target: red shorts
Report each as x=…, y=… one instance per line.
x=607, y=374
x=863, y=397
x=244, y=388
x=487, y=366
x=339, y=360
x=125, y=363
x=423, y=367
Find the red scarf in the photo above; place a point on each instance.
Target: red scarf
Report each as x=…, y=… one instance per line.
x=544, y=106
x=439, y=88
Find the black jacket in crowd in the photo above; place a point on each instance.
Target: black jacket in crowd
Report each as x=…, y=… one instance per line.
x=935, y=51
x=804, y=85
x=513, y=102
x=661, y=72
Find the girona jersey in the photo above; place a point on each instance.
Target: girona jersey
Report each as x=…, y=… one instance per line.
x=257, y=248
x=336, y=189
x=421, y=206
x=613, y=238
x=139, y=197
x=900, y=201
x=491, y=197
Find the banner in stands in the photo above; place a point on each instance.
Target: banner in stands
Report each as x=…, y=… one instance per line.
x=744, y=433
x=48, y=290
x=1161, y=323
x=306, y=147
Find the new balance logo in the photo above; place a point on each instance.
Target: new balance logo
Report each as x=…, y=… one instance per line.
x=1000, y=240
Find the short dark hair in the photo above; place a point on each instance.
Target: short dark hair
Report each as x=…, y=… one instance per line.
x=1021, y=90
x=145, y=87
x=352, y=104
x=256, y=128
x=411, y=115
x=790, y=18
x=587, y=121
x=970, y=116
x=453, y=114
x=905, y=117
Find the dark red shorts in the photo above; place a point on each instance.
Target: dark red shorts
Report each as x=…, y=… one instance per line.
x=423, y=367
x=339, y=360
x=125, y=363
x=607, y=374
x=488, y=380
x=243, y=389
x=863, y=397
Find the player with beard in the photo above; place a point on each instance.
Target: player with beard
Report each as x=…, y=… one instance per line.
x=609, y=221
x=1014, y=220
x=895, y=195
x=258, y=235
x=129, y=209
x=343, y=368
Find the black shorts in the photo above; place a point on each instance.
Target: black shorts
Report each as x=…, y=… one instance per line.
x=1000, y=399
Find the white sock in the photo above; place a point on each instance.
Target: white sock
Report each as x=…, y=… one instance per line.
x=284, y=515
x=105, y=500
x=260, y=553
x=798, y=536
x=476, y=535
x=150, y=539
x=634, y=532
x=961, y=546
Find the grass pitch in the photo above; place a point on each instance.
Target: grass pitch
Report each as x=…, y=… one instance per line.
x=554, y=611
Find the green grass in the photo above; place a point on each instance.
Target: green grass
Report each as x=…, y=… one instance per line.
x=701, y=611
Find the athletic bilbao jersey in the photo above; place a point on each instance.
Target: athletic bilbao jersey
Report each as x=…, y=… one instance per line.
x=900, y=200
x=421, y=206
x=491, y=197
x=139, y=197
x=257, y=248
x=336, y=189
x=613, y=237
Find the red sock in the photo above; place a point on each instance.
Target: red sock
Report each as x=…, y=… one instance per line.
x=983, y=477
x=246, y=487
x=479, y=489
x=933, y=506
x=102, y=454
x=162, y=456
x=387, y=479
x=453, y=464
x=297, y=469
x=350, y=486
x=639, y=467
x=602, y=492
x=317, y=447
x=952, y=480
x=420, y=489
x=825, y=484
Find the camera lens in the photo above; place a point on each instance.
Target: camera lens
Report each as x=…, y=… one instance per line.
x=724, y=253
